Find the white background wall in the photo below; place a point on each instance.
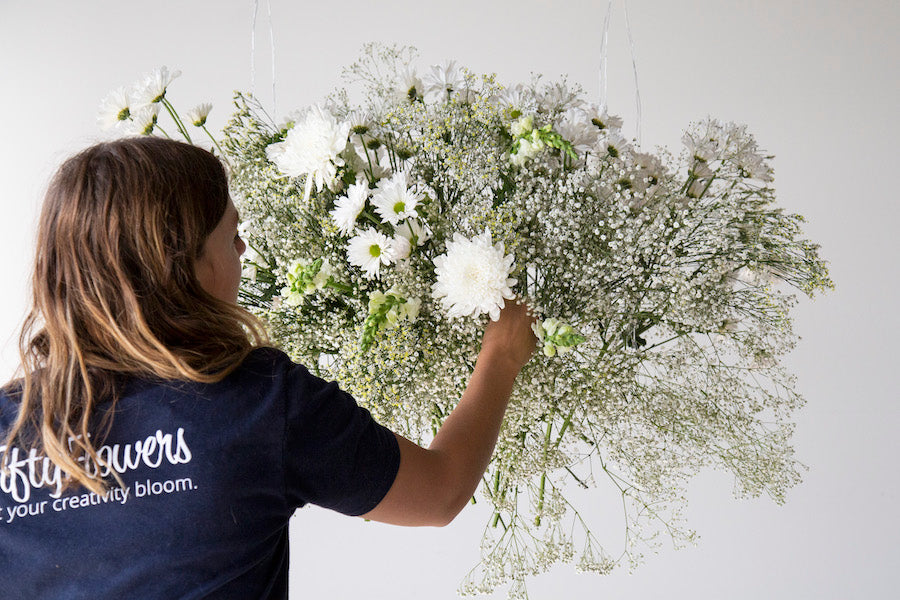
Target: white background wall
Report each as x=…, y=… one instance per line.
x=816, y=80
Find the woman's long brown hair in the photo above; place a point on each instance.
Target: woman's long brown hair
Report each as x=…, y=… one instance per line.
x=115, y=293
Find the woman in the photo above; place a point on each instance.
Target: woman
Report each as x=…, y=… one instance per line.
x=155, y=446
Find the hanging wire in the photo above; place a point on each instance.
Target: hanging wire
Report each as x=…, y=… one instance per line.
x=637, y=90
x=254, y=9
x=603, y=67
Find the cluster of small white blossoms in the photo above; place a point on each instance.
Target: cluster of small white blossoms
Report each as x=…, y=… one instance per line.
x=390, y=230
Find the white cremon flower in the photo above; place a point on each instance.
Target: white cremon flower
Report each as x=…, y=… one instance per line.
x=198, y=114
x=153, y=88
x=144, y=120
x=312, y=147
x=347, y=208
x=615, y=145
x=115, y=108
x=602, y=120
x=413, y=230
x=410, y=87
x=369, y=250
x=442, y=81
x=400, y=246
x=394, y=201
x=473, y=277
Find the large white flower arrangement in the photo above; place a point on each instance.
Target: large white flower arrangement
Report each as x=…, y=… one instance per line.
x=385, y=233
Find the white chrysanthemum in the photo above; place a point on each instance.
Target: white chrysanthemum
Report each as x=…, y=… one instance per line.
x=153, y=87
x=400, y=246
x=369, y=250
x=473, y=277
x=442, y=81
x=360, y=122
x=602, y=120
x=410, y=87
x=312, y=147
x=615, y=145
x=115, y=108
x=413, y=230
x=706, y=141
x=347, y=208
x=394, y=201
x=144, y=120
x=199, y=113
x=576, y=128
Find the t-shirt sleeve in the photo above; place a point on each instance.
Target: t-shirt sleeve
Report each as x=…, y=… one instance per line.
x=336, y=455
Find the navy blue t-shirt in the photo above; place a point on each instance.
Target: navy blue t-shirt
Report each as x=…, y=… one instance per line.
x=212, y=474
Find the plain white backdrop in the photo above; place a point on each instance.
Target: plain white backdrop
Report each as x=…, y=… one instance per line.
x=817, y=82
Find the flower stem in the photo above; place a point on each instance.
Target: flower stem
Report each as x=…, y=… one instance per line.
x=221, y=152
x=540, y=505
x=177, y=120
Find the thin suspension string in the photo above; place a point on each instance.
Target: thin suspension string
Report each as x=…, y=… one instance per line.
x=637, y=90
x=253, y=12
x=603, y=56
x=603, y=67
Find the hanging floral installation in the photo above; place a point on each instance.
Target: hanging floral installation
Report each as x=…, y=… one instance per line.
x=385, y=232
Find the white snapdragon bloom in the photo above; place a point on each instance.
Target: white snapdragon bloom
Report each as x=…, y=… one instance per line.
x=347, y=208
x=312, y=147
x=153, y=88
x=198, y=114
x=522, y=126
x=115, y=108
x=529, y=147
x=369, y=250
x=409, y=310
x=394, y=201
x=473, y=277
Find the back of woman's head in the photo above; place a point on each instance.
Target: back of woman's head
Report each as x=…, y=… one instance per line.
x=115, y=289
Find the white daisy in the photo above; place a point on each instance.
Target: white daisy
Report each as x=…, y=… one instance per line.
x=360, y=122
x=115, y=108
x=312, y=147
x=473, y=277
x=410, y=87
x=442, y=80
x=602, y=120
x=400, y=246
x=615, y=145
x=576, y=128
x=413, y=230
x=369, y=250
x=144, y=120
x=153, y=88
x=198, y=114
x=394, y=201
x=347, y=208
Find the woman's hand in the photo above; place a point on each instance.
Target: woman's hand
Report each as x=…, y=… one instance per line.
x=433, y=485
x=511, y=336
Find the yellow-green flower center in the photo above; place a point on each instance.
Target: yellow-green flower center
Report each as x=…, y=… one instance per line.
x=375, y=250
x=399, y=207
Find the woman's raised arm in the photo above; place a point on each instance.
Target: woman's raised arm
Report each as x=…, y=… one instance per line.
x=434, y=484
